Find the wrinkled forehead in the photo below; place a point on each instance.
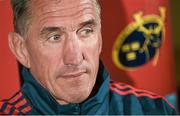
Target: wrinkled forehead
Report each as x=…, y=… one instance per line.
x=62, y=6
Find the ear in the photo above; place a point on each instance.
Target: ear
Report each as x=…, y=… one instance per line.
x=18, y=48
x=100, y=44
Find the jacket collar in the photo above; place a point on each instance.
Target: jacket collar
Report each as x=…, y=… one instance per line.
x=44, y=103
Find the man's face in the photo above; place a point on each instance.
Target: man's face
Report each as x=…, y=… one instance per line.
x=63, y=46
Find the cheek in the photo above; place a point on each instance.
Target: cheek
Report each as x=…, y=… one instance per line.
x=93, y=47
x=92, y=52
x=44, y=61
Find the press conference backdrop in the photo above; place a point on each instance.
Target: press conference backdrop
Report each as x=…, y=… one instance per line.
x=176, y=39
x=175, y=7
x=9, y=80
x=137, y=46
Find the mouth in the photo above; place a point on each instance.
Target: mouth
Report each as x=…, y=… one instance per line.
x=73, y=75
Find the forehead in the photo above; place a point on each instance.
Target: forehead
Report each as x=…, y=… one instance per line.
x=62, y=7
x=60, y=3
x=53, y=11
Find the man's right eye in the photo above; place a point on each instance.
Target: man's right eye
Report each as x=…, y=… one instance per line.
x=55, y=38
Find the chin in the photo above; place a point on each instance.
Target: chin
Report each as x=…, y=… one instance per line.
x=77, y=92
x=80, y=96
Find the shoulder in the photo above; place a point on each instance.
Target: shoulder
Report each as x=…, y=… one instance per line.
x=125, y=89
x=17, y=104
x=144, y=101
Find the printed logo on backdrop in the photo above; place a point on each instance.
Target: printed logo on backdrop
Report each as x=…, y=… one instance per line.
x=140, y=41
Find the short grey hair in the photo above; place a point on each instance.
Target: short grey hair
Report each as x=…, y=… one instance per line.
x=98, y=7
x=22, y=13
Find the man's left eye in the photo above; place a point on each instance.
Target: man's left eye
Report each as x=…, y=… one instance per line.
x=85, y=32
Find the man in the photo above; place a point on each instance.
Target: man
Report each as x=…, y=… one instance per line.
x=59, y=42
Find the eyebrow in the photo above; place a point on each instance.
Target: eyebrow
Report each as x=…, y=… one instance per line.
x=89, y=22
x=47, y=30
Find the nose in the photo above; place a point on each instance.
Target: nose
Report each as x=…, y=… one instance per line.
x=72, y=52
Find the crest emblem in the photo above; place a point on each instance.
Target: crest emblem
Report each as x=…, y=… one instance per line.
x=140, y=41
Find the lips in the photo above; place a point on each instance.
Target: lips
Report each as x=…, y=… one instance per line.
x=73, y=75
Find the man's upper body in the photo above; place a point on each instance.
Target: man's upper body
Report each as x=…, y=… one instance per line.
x=109, y=98
x=59, y=43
